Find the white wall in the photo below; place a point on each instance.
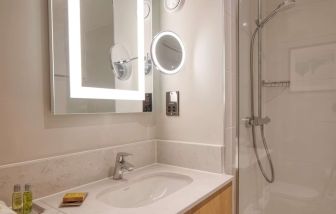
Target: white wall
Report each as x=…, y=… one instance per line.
x=29, y=131
x=27, y=128
x=200, y=25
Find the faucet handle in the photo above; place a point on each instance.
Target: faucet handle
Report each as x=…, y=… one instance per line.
x=121, y=155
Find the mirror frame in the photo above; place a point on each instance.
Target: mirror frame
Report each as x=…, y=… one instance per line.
x=75, y=65
x=154, y=47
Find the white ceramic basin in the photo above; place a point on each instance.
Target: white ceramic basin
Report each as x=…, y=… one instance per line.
x=144, y=190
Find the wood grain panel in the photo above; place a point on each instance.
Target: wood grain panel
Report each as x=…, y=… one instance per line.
x=219, y=203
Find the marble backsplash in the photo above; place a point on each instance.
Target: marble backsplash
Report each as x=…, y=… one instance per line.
x=198, y=156
x=55, y=174
x=51, y=175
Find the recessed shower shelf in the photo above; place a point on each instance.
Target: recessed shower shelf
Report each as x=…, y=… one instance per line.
x=275, y=83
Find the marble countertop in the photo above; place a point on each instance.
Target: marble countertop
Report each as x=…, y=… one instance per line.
x=204, y=184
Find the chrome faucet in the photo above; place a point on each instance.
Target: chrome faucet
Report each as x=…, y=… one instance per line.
x=121, y=165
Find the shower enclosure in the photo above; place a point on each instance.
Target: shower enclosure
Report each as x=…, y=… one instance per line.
x=287, y=107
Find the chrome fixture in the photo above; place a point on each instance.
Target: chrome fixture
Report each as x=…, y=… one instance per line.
x=125, y=61
x=173, y=103
x=121, y=62
x=121, y=166
x=275, y=83
x=167, y=54
x=282, y=6
x=258, y=120
x=148, y=64
x=122, y=68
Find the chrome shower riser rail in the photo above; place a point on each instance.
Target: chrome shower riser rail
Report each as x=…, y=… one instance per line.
x=261, y=121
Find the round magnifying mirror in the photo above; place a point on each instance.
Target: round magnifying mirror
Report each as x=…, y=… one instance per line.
x=168, y=53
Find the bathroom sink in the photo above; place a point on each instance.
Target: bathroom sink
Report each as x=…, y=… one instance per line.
x=154, y=189
x=143, y=191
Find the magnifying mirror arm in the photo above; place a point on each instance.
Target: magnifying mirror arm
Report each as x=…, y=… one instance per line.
x=121, y=67
x=125, y=61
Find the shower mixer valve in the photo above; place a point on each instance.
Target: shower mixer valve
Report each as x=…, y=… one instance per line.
x=257, y=121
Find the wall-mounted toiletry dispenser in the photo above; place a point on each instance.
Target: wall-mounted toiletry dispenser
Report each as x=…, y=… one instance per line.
x=173, y=103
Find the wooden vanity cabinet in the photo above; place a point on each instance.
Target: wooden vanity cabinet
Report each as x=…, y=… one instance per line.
x=218, y=203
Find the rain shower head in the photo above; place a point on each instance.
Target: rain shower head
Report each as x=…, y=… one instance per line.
x=287, y=4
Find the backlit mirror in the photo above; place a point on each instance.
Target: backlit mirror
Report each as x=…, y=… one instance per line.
x=98, y=54
x=168, y=52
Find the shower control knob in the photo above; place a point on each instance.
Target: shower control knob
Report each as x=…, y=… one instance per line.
x=256, y=121
x=265, y=120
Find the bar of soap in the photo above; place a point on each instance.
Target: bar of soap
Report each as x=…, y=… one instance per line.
x=70, y=204
x=74, y=197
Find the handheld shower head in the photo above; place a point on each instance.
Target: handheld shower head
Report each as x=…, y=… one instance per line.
x=287, y=4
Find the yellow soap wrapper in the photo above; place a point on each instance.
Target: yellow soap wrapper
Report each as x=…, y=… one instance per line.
x=74, y=197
